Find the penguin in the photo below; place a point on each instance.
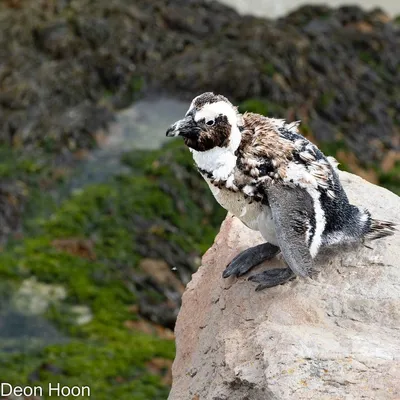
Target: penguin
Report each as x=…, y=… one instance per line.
x=263, y=171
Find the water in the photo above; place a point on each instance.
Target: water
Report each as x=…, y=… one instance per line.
x=24, y=330
x=141, y=126
x=144, y=124
x=278, y=8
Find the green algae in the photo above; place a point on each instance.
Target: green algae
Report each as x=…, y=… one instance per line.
x=104, y=353
x=391, y=179
x=109, y=369
x=333, y=149
x=268, y=69
x=103, y=349
x=261, y=106
x=326, y=99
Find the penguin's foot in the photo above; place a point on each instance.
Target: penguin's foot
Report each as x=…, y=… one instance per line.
x=272, y=277
x=249, y=258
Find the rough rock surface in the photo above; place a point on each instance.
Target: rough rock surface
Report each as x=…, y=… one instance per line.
x=335, y=337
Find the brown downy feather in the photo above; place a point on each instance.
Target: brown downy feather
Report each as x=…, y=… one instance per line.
x=260, y=141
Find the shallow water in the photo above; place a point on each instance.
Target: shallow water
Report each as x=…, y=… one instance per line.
x=144, y=124
x=22, y=331
x=141, y=126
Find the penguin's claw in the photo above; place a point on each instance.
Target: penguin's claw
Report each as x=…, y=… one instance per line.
x=249, y=258
x=272, y=277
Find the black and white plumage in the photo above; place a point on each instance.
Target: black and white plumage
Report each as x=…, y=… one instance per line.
x=276, y=182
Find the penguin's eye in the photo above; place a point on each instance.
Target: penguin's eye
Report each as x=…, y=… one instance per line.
x=210, y=122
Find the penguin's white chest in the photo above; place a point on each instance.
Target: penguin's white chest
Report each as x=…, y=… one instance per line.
x=255, y=216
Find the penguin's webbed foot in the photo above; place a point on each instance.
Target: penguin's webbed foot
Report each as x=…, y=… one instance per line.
x=249, y=258
x=272, y=277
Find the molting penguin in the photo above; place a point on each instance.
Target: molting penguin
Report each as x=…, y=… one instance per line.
x=276, y=182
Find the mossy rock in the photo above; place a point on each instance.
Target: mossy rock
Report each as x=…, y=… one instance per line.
x=390, y=179
x=261, y=106
x=91, y=244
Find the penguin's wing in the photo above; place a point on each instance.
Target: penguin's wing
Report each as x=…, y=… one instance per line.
x=292, y=210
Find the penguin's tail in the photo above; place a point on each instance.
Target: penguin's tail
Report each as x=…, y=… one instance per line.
x=379, y=229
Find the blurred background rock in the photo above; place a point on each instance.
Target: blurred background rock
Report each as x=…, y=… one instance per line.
x=100, y=227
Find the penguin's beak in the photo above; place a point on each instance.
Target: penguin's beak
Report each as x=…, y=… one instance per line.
x=186, y=127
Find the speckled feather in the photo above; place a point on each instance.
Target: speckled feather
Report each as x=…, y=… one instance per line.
x=271, y=147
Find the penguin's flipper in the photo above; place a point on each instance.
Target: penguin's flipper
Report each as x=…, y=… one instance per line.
x=249, y=258
x=291, y=208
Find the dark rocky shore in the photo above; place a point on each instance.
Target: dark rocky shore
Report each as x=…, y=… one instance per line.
x=99, y=259
x=65, y=61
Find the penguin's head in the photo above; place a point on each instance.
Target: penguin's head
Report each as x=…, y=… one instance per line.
x=211, y=121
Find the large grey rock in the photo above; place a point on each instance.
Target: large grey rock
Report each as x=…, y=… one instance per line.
x=334, y=337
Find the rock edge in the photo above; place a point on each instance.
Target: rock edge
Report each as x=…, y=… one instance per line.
x=335, y=337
